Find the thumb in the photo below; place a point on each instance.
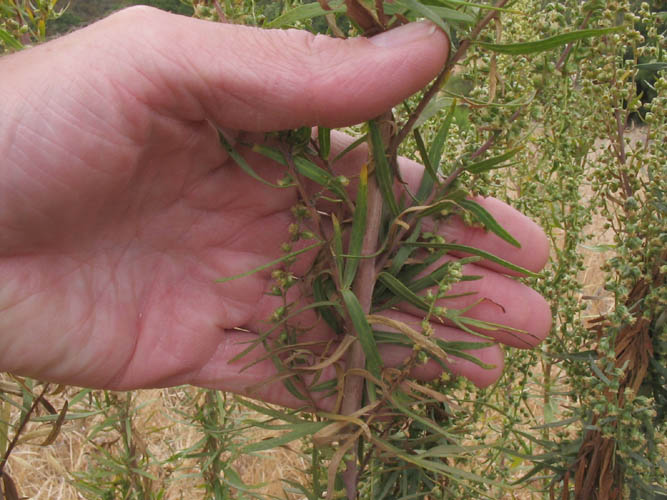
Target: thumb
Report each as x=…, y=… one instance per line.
x=260, y=80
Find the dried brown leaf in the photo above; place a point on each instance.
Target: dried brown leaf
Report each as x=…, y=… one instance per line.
x=56, y=426
x=9, y=487
x=419, y=339
x=342, y=348
x=363, y=17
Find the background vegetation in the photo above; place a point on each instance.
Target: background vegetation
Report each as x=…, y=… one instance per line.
x=581, y=417
x=82, y=12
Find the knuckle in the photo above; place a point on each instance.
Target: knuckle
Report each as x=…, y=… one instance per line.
x=136, y=13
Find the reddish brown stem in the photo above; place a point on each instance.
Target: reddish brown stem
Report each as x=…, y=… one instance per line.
x=363, y=289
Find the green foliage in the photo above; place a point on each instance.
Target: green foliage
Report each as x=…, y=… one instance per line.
x=538, y=113
x=23, y=23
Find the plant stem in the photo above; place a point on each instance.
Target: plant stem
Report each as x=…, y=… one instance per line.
x=363, y=289
x=21, y=426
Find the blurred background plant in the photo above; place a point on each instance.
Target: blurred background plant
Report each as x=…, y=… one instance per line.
x=581, y=417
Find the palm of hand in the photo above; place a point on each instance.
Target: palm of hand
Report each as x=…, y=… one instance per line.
x=128, y=271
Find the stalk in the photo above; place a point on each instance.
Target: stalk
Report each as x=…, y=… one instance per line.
x=363, y=289
x=367, y=273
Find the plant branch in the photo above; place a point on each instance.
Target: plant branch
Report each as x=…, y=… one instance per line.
x=441, y=78
x=363, y=289
x=22, y=425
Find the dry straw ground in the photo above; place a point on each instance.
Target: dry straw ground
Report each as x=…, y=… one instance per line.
x=46, y=473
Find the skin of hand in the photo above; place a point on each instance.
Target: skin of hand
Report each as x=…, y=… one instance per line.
x=119, y=209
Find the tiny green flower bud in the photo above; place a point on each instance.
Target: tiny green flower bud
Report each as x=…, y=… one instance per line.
x=278, y=314
x=343, y=181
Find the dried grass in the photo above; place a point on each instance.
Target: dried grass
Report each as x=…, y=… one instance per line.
x=45, y=473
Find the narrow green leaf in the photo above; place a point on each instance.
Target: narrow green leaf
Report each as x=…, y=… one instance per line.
x=240, y=161
x=519, y=102
x=68, y=417
x=492, y=163
x=305, y=11
x=327, y=385
x=434, y=209
x=385, y=337
x=354, y=145
x=464, y=346
x=451, y=450
x=469, y=357
x=454, y=473
x=547, y=43
x=9, y=40
x=476, y=251
x=300, y=431
x=358, y=229
x=390, y=8
x=326, y=312
x=270, y=264
x=596, y=369
x=560, y=423
x=271, y=153
x=579, y=356
x=426, y=11
x=433, y=108
x=653, y=66
x=398, y=401
x=324, y=141
x=270, y=412
x=404, y=252
x=287, y=382
x=383, y=172
x=452, y=15
x=337, y=246
x=364, y=332
x=316, y=174
x=410, y=272
x=306, y=168
x=402, y=292
x=430, y=173
x=545, y=457
x=433, y=13
x=480, y=6
x=483, y=216
x=302, y=489
x=232, y=478
x=438, y=144
x=388, y=486
x=432, y=279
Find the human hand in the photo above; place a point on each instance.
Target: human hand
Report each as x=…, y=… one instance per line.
x=119, y=209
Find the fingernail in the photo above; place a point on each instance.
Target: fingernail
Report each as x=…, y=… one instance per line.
x=403, y=35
